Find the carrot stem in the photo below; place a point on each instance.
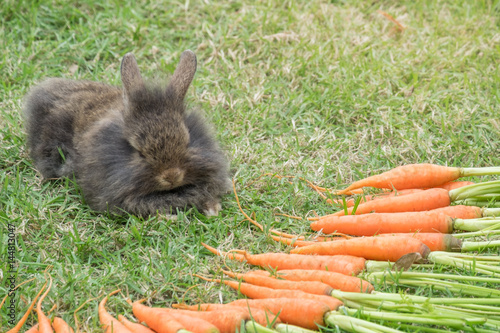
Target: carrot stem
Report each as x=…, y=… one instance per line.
x=287, y=328
x=400, y=298
x=480, y=264
x=352, y=324
x=479, y=246
x=447, y=310
x=490, y=231
x=454, y=287
x=419, y=275
x=475, y=190
x=491, y=212
x=377, y=266
x=484, y=171
x=423, y=328
x=476, y=201
x=408, y=278
x=429, y=319
x=474, y=224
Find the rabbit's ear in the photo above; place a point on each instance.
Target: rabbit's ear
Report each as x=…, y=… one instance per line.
x=183, y=74
x=131, y=76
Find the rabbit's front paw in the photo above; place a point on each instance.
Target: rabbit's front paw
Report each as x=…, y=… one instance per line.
x=212, y=208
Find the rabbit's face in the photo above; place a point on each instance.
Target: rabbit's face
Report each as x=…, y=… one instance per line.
x=162, y=148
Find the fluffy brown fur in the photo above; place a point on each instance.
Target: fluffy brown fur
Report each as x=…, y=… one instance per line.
x=134, y=149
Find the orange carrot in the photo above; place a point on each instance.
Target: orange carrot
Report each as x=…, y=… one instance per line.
x=461, y=211
x=381, y=223
x=258, y=292
x=374, y=248
x=108, y=322
x=334, y=280
x=304, y=313
x=435, y=241
x=44, y=325
x=454, y=184
x=34, y=329
x=228, y=320
x=420, y=201
x=21, y=322
x=162, y=322
x=60, y=326
x=312, y=287
x=457, y=211
x=348, y=265
x=134, y=327
x=365, y=198
x=258, y=314
x=409, y=176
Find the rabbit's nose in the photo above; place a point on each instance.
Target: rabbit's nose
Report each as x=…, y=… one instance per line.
x=172, y=177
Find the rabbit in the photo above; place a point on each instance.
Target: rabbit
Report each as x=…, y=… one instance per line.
x=135, y=149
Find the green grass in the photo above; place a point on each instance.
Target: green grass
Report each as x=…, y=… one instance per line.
x=326, y=90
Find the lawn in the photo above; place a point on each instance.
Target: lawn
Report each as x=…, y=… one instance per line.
x=330, y=91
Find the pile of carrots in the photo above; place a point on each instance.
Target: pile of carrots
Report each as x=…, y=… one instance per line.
x=419, y=207
x=294, y=290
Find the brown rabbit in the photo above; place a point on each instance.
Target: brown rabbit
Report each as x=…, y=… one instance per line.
x=134, y=149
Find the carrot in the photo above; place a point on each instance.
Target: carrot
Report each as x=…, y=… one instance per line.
x=454, y=184
x=257, y=314
x=312, y=287
x=134, y=327
x=21, y=322
x=425, y=200
x=418, y=176
x=304, y=313
x=457, y=211
x=432, y=221
x=375, y=248
x=108, y=322
x=348, y=265
x=334, y=280
x=60, y=326
x=162, y=322
x=461, y=211
x=365, y=198
x=227, y=321
x=34, y=329
x=258, y=292
x=44, y=325
x=435, y=241
x=380, y=223
x=449, y=243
